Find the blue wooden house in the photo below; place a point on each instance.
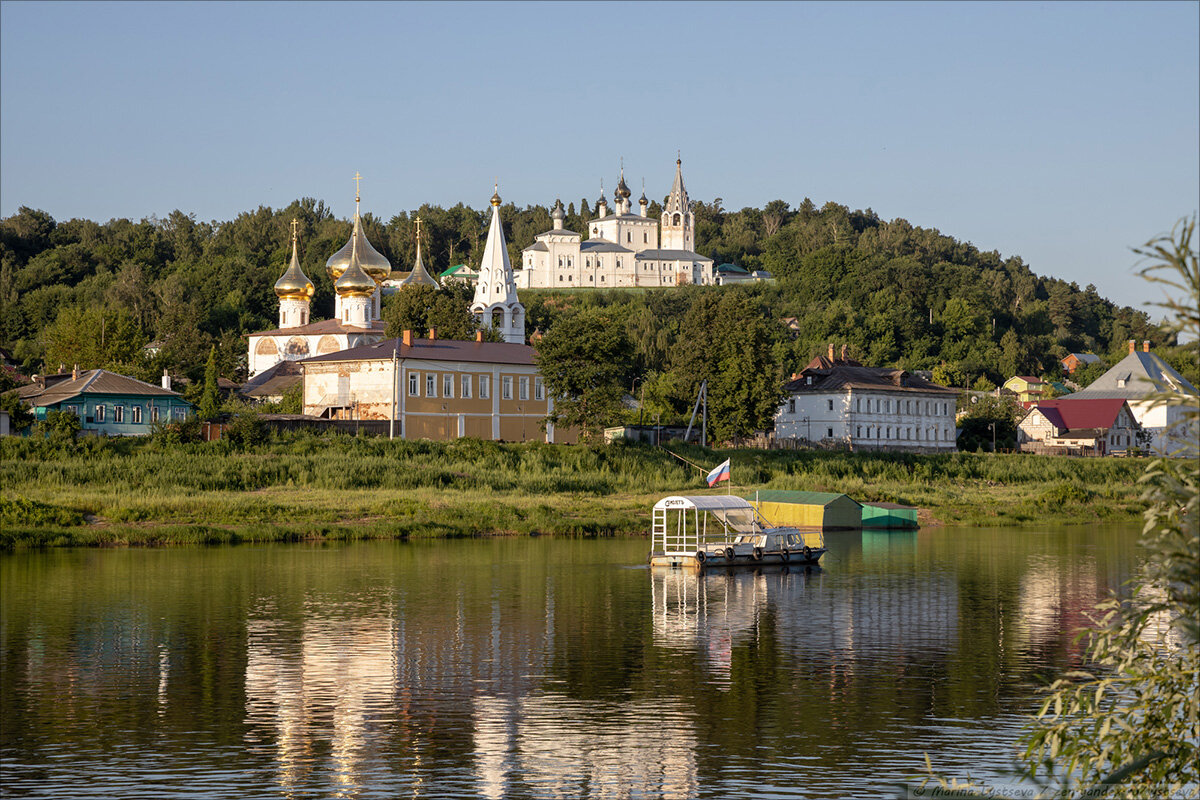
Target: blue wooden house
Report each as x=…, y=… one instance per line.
x=110, y=404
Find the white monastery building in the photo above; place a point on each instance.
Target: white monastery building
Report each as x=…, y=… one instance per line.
x=623, y=248
x=839, y=401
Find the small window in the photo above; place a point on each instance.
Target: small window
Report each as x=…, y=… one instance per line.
x=889, y=431
x=539, y=389
x=154, y=413
x=523, y=387
x=137, y=415
x=602, y=279
x=414, y=384
x=466, y=386
x=645, y=238
x=830, y=405
x=447, y=386
x=506, y=387
x=628, y=237
x=830, y=434
x=99, y=413
x=560, y=261
x=791, y=405
x=858, y=432
x=485, y=386
x=118, y=413
x=430, y=384
x=179, y=413
x=73, y=410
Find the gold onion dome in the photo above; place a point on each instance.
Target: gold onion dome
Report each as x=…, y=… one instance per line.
x=374, y=264
x=496, y=196
x=419, y=275
x=354, y=282
x=294, y=285
x=622, y=189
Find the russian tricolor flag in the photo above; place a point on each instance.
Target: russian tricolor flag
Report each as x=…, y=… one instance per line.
x=721, y=473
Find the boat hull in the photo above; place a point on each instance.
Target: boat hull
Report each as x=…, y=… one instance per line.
x=797, y=558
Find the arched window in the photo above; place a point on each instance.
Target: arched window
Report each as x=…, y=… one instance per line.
x=675, y=220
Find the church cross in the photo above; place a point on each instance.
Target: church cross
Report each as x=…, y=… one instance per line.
x=357, y=186
x=295, y=224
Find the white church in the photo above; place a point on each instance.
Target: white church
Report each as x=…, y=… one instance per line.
x=361, y=276
x=622, y=248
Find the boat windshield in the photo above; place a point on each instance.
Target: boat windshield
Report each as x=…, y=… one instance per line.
x=740, y=520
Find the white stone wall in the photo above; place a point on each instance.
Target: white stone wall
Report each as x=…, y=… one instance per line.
x=864, y=418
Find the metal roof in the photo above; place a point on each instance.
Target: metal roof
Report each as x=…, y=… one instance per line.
x=98, y=381
x=325, y=326
x=710, y=502
x=672, y=255
x=1134, y=377
x=603, y=246
x=842, y=376
x=434, y=350
x=1066, y=413
x=802, y=498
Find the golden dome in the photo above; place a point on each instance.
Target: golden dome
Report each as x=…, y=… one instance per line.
x=354, y=282
x=496, y=196
x=294, y=285
x=374, y=264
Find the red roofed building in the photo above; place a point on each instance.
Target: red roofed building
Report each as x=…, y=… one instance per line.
x=1091, y=427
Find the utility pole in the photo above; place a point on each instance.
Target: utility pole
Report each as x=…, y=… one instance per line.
x=395, y=381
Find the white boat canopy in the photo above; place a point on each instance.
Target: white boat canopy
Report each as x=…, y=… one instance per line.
x=711, y=502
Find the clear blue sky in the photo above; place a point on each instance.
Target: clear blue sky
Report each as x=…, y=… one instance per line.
x=1064, y=133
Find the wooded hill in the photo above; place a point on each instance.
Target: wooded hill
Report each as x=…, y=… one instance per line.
x=95, y=293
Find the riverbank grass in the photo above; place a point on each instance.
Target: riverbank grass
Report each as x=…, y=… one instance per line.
x=303, y=487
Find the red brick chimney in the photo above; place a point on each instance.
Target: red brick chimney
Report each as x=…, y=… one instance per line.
x=831, y=351
x=75, y=372
x=1145, y=345
x=432, y=334
x=479, y=336
x=406, y=339
x=844, y=348
x=1132, y=346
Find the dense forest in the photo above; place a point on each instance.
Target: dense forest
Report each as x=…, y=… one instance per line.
x=96, y=293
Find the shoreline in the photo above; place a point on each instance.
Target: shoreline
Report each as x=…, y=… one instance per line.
x=106, y=493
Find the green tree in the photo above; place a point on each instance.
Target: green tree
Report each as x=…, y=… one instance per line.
x=210, y=405
x=1128, y=723
x=93, y=338
x=584, y=360
x=419, y=308
x=988, y=416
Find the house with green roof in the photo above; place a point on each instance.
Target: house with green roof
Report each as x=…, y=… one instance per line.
x=108, y=404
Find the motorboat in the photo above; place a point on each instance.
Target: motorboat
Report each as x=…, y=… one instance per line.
x=725, y=531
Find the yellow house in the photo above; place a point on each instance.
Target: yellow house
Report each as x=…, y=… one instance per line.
x=435, y=389
x=1027, y=388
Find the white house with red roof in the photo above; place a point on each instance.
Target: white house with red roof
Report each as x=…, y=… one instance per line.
x=1098, y=426
x=1147, y=382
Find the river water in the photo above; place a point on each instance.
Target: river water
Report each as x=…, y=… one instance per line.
x=533, y=667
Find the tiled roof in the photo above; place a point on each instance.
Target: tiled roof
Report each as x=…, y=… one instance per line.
x=434, y=350
x=98, y=381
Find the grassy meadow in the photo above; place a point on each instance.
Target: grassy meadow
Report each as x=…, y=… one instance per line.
x=301, y=486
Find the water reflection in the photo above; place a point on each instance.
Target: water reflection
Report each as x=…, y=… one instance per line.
x=531, y=668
